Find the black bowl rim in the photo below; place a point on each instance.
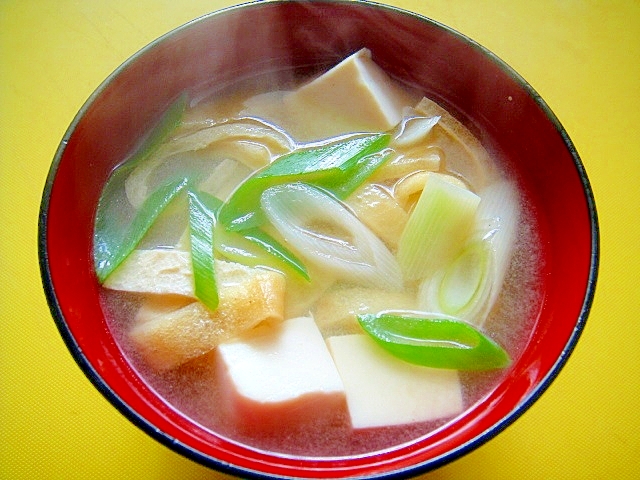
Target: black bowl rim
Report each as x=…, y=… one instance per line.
x=225, y=467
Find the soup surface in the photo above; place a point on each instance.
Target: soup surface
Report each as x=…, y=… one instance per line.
x=329, y=267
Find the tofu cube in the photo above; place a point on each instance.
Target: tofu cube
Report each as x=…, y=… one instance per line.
x=383, y=390
x=356, y=94
x=277, y=376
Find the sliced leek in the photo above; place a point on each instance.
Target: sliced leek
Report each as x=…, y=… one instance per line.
x=463, y=287
x=226, y=136
x=437, y=229
x=254, y=247
x=435, y=341
x=113, y=241
x=202, y=213
x=333, y=166
x=170, y=120
x=325, y=233
x=359, y=170
x=469, y=285
x=413, y=129
x=464, y=279
x=498, y=217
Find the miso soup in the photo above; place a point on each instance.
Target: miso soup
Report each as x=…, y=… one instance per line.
x=329, y=266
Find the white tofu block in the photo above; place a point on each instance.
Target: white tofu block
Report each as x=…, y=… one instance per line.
x=359, y=89
x=383, y=390
x=279, y=375
x=355, y=95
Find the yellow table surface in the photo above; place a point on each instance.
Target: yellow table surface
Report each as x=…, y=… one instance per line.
x=582, y=56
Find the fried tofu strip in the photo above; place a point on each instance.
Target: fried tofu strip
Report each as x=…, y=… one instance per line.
x=160, y=271
x=335, y=312
x=379, y=211
x=167, y=337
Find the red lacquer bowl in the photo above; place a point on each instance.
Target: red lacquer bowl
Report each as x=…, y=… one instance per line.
x=494, y=101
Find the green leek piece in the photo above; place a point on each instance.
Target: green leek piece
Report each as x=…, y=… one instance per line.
x=170, y=120
x=333, y=166
x=438, y=227
x=254, y=247
x=360, y=169
x=202, y=218
x=277, y=250
x=466, y=280
x=434, y=342
x=114, y=232
x=113, y=244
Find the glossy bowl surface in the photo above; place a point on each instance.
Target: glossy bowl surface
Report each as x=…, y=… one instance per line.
x=488, y=96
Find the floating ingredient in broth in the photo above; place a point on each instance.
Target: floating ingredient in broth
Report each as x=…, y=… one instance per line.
x=118, y=231
x=158, y=271
x=408, y=189
x=321, y=230
x=278, y=377
x=466, y=280
x=333, y=165
x=202, y=221
x=254, y=247
x=465, y=157
x=474, y=279
x=356, y=89
x=337, y=309
x=383, y=390
x=224, y=178
x=114, y=241
x=234, y=137
x=429, y=159
x=359, y=171
x=437, y=229
x=434, y=341
x=356, y=95
x=413, y=130
x=462, y=288
x=498, y=217
x=379, y=210
x=248, y=296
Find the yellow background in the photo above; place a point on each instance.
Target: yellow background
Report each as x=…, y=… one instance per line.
x=582, y=56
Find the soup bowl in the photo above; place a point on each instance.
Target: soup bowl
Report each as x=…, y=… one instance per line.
x=484, y=93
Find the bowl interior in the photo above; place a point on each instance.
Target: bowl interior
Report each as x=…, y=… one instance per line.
x=508, y=117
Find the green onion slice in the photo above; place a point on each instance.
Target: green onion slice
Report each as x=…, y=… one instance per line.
x=170, y=120
x=251, y=247
x=113, y=243
x=442, y=220
x=336, y=166
x=328, y=235
x=467, y=280
x=434, y=340
x=115, y=234
x=360, y=168
x=202, y=218
x=255, y=248
x=274, y=248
